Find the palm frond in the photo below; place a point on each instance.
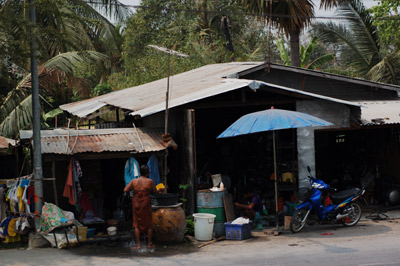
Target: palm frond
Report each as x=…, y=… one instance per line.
x=305, y=56
x=365, y=34
x=20, y=117
x=357, y=37
x=320, y=61
x=326, y=4
x=53, y=113
x=282, y=51
x=286, y=14
x=68, y=62
x=387, y=70
x=349, y=52
x=112, y=8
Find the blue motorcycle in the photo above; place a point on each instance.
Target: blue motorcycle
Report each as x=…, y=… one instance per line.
x=333, y=208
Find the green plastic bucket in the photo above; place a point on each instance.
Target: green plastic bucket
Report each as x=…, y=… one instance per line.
x=219, y=213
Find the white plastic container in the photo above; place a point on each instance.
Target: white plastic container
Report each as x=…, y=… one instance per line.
x=112, y=230
x=203, y=226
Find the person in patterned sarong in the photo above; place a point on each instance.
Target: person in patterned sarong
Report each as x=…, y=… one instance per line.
x=141, y=204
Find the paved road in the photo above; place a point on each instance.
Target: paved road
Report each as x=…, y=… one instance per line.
x=367, y=244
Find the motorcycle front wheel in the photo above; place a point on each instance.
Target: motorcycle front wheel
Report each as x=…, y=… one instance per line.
x=354, y=214
x=298, y=222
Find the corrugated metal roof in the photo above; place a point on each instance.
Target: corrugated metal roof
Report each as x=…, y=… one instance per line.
x=5, y=142
x=68, y=142
x=380, y=112
x=185, y=87
x=337, y=77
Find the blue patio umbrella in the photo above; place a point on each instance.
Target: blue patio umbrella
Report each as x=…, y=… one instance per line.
x=271, y=120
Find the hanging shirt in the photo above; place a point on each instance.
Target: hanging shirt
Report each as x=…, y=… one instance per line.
x=69, y=191
x=20, y=193
x=154, y=170
x=25, y=199
x=131, y=170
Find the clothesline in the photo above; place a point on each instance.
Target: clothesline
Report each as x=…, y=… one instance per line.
x=27, y=177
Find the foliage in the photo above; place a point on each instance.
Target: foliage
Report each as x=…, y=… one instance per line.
x=386, y=18
x=174, y=25
x=357, y=36
x=184, y=187
x=56, y=83
x=101, y=89
x=290, y=16
x=305, y=55
x=189, y=227
x=358, y=42
x=71, y=34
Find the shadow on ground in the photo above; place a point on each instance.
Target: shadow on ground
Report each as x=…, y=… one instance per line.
x=123, y=249
x=324, y=231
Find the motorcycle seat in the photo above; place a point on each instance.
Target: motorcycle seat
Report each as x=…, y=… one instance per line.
x=341, y=196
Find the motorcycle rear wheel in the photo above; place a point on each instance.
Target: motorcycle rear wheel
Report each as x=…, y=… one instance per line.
x=296, y=224
x=355, y=215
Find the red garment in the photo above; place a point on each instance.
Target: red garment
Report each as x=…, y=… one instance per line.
x=30, y=194
x=69, y=186
x=141, y=205
x=86, y=203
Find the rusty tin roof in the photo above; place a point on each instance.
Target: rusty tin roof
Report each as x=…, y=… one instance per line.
x=71, y=141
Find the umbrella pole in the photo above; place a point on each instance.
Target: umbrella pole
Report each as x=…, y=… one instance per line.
x=276, y=181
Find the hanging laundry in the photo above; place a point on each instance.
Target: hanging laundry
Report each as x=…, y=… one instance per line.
x=78, y=169
x=31, y=198
x=3, y=204
x=77, y=173
x=24, y=182
x=25, y=199
x=20, y=193
x=154, y=170
x=131, y=170
x=69, y=186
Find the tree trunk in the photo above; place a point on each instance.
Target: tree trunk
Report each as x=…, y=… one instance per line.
x=204, y=16
x=228, y=45
x=294, y=47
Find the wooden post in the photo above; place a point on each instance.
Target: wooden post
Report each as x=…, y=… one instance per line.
x=189, y=155
x=53, y=173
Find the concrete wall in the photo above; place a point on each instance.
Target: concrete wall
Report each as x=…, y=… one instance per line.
x=338, y=114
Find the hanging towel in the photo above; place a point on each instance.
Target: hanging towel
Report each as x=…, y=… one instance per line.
x=154, y=172
x=69, y=186
x=131, y=170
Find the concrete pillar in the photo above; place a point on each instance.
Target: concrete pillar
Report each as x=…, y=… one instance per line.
x=336, y=113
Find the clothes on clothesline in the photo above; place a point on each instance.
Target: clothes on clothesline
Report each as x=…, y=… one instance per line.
x=18, y=196
x=11, y=228
x=3, y=203
x=131, y=170
x=72, y=188
x=154, y=169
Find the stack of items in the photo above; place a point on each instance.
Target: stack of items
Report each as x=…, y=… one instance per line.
x=211, y=201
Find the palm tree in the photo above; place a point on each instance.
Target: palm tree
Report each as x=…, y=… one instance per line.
x=359, y=44
x=305, y=55
x=291, y=16
x=70, y=34
x=56, y=81
x=357, y=38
